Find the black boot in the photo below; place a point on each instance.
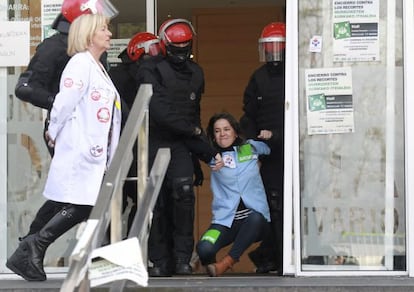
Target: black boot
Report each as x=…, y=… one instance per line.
x=43, y=215
x=161, y=269
x=264, y=260
x=19, y=263
x=27, y=260
x=183, y=269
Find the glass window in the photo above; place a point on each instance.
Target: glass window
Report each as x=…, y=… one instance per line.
x=352, y=194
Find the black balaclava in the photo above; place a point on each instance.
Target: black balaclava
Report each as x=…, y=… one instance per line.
x=178, y=55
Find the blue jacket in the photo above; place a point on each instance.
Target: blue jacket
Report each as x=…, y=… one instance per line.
x=239, y=179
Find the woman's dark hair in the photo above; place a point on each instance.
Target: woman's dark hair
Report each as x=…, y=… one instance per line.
x=226, y=116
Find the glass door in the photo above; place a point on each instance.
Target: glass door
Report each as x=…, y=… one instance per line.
x=349, y=172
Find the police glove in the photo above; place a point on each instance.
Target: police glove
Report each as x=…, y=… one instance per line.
x=198, y=172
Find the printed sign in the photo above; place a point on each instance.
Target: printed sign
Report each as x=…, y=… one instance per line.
x=50, y=10
x=14, y=43
x=356, y=30
x=329, y=100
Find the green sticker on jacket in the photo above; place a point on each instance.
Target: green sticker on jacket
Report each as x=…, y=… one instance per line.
x=245, y=152
x=211, y=235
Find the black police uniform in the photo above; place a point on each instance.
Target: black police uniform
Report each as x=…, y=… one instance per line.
x=263, y=107
x=46, y=67
x=174, y=117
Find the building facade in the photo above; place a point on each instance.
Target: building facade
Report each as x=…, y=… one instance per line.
x=348, y=167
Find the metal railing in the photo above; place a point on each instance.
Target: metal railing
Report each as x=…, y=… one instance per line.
x=108, y=208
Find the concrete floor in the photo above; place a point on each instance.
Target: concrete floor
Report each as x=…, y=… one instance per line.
x=245, y=282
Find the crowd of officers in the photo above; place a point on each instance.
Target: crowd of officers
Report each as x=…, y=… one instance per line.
x=165, y=61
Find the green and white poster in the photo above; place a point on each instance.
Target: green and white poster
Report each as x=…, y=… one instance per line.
x=356, y=30
x=329, y=100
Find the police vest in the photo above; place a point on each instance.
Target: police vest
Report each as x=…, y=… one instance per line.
x=184, y=88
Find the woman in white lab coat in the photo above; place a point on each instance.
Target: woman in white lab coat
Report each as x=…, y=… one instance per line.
x=84, y=129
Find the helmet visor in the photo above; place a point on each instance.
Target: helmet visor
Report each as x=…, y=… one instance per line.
x=104, y=7
x=151, y=47
x=271, y=49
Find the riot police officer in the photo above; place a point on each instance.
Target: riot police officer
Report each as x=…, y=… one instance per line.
x=141, y=46
x=178, y=84
x=263, y=118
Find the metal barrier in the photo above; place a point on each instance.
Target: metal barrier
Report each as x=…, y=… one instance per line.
x=109, y=201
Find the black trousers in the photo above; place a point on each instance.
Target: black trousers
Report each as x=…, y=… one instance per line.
x=49, y=210
x=242, y=234
x=272, y=172
x=171, y=237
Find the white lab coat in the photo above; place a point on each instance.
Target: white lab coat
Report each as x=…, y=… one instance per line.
x=83, y=111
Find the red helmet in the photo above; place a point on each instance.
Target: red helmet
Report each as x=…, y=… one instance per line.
x=74, y=8
x=143, y=43
x=272, y=42
x=175, y=31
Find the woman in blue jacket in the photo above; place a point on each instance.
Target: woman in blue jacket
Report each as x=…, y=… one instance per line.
x=239, y=209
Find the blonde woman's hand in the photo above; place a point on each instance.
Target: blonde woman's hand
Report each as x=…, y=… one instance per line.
x=50, y=141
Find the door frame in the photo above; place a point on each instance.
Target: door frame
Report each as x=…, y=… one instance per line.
x=3, y=149
x=291, y=160
x=408, y=34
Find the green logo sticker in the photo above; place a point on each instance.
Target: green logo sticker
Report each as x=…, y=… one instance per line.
x=245, y=152
x=211, y=235
x=342, y=30
x=317, y=102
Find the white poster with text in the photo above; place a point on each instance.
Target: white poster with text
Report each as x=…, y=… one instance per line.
x=14, y=43
x=356, y=30
x=329, y=100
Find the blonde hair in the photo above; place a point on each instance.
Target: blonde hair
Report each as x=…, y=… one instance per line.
x=81, y=31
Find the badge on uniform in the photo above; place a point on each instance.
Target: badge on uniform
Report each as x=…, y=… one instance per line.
x=229, y=161
x=96, y=150
x=245, y=152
